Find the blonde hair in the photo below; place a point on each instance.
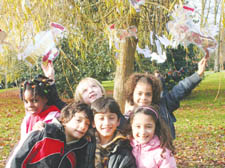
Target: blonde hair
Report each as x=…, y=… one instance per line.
x=78, y=94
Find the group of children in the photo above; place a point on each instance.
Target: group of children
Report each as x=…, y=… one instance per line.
x=92, y=132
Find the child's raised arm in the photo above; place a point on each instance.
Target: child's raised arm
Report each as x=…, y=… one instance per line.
x=201, y=66
x=49, y=72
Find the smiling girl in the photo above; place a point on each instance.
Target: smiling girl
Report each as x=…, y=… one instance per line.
x=151, y=139
x=36, y=94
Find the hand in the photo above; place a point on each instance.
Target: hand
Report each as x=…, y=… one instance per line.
x=201, y=66
x=207, y=53
x=40, y=125
x=49, y=70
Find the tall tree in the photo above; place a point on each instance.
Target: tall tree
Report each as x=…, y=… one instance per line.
x=88, y=22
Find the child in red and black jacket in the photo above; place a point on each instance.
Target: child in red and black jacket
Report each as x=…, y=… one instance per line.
x=59, y=145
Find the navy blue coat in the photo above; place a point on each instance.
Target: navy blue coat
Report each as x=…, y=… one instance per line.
x=170, y=100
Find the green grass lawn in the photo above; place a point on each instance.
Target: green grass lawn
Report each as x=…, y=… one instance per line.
x=200, y=125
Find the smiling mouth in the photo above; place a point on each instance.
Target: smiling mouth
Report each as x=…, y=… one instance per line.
x=82, y=133
x=106, y=129
x=31, y=111
x=143, y=137
x=92, y=96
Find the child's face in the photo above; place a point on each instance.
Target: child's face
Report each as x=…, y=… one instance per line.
x=77, y=127
x=34, y=105
x=143, y=128
x=90, y=91
x=142, y=95
x=106, y=124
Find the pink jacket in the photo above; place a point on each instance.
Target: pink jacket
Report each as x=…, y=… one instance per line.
x=29, y=120
x=149, y=155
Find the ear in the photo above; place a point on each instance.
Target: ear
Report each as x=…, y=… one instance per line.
x=118, y=123
x=45, y=100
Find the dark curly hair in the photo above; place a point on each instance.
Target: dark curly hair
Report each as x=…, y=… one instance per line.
x=146, y=78
x=69, y=111
x=39, y=85
x=161, y=128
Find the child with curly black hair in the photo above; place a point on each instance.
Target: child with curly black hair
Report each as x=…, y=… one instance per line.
x=36, y=94
x=143, y=89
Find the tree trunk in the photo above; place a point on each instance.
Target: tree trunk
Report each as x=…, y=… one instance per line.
x=218, y=58
x=124, y=68
x=6, y=84
x=222, y=39
x=216, y=62
x=222, y=51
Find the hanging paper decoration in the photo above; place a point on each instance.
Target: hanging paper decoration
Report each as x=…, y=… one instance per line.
x=25, y=4
x=185, y=31
x=1, y=49
x=151, y=38
x=44, y=45
x=3, y=36
x=136, y=4
x=158, y=47
x=164, y=41
x=120, y=35
x=146, y=51
x=159, y=58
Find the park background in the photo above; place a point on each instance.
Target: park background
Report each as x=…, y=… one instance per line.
x=88, y=50
x=200, y=125
x=101, y=39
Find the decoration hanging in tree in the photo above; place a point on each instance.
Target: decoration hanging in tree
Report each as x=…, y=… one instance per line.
x=136, y=4
x=159, y=58
x=44, y=45
x=3, y=36
x=184, y=31
x=120, y=35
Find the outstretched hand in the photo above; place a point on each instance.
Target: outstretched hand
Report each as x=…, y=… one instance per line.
x=49, y=70
x=40, y=125
x=202, y=65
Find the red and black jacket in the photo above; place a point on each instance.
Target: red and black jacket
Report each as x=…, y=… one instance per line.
x=47, y=149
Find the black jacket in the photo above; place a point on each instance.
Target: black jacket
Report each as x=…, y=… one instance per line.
x=170, y=101
x=120, y=157
x=48, y=149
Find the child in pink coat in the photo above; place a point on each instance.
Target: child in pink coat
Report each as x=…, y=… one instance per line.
x=151, y=140
x=36, y=94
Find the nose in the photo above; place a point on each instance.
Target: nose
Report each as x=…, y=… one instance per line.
x=29, y=103
x=142, y=131
x=90, y=89
x=106, y=121
x=143, y=96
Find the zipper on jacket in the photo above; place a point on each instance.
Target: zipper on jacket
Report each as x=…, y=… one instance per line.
x=69, y=152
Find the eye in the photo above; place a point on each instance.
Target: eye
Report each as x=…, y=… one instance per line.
x=101, y=118
x=85, y=90
x=94, y=86
x=148, y=126
x=112, y=117
x=137, y=126
x=35, y=101
x=87, y=123
x=78, y=120
x=148, y=94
